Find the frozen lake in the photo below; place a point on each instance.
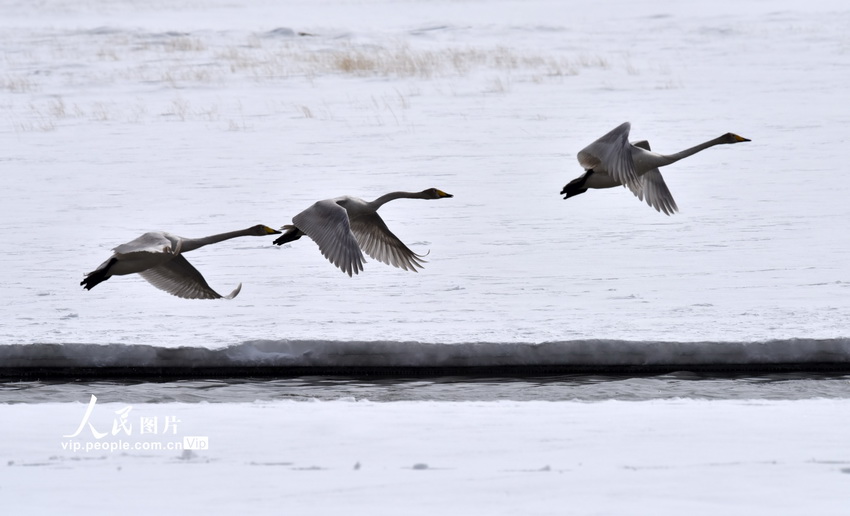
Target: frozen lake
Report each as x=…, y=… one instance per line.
x=202, y=117
x=205, y=118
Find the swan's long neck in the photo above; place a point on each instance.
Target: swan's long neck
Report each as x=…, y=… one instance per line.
x=667, y=159
x=380, y=201
x=190, y=244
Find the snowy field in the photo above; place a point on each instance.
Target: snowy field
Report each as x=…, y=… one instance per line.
x=201, y=117
x=660, y=457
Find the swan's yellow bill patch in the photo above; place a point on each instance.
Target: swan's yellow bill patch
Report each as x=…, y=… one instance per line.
x=741, y=138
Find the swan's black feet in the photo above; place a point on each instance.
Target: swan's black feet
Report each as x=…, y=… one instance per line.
x=576, y=186
x=94, y=279
x=573, y=189
x=98, y=276
x=292, y=233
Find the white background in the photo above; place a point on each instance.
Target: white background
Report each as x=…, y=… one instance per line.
x=123, y=117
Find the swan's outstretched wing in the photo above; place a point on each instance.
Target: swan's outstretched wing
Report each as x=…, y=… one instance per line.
x=611, y=154
x=151, y=242
x=178, y=277
x=651, y=186
x=326, y=222
x=376, y=239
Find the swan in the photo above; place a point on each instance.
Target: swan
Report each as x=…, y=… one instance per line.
x=345, y=227
x=157, y=256
x=613, y=161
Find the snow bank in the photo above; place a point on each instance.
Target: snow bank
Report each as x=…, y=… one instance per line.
x=329, y=354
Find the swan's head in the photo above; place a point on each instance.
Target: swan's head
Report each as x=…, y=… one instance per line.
x=261, y=230
x=435, y=193
x=733, y=138
x=574, y=187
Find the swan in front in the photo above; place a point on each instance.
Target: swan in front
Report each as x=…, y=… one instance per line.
x=157, y=256
x=613, y=161
x=346, y=227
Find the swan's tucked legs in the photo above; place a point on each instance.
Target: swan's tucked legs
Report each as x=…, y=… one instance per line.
x=97, y=277
x=576, y=186
x=291, y=234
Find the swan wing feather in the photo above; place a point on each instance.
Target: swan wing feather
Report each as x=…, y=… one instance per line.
x=179, y=278
x=376, y=240
x=652, y=188
x=151, y=242
x=326, y=222
x=612, y=154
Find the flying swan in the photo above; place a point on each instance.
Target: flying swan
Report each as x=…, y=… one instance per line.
x=157, y=256
x=613, y=161
x=345, y=227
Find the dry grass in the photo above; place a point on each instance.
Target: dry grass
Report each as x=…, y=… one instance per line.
x=181, y=60
x=307, y=112
x=17, y=84
x=406, y=62
x=56, y=108
x=184, y=44
x=129, y=61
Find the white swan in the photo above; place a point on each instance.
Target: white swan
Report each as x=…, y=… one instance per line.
x=345, y=227
x=613, y=161
x=157, y=257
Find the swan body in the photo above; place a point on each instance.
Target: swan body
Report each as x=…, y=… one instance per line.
x=346, y=227
x=157, y=256
x=612, y=161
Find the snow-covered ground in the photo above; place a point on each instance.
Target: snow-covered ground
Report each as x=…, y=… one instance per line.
x=120, y=117
x=203, y=117
x=659, y=457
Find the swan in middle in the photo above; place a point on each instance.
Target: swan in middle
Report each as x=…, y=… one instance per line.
x=346, y=227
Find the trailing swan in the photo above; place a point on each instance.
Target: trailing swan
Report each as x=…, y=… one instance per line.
x=157, y=256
